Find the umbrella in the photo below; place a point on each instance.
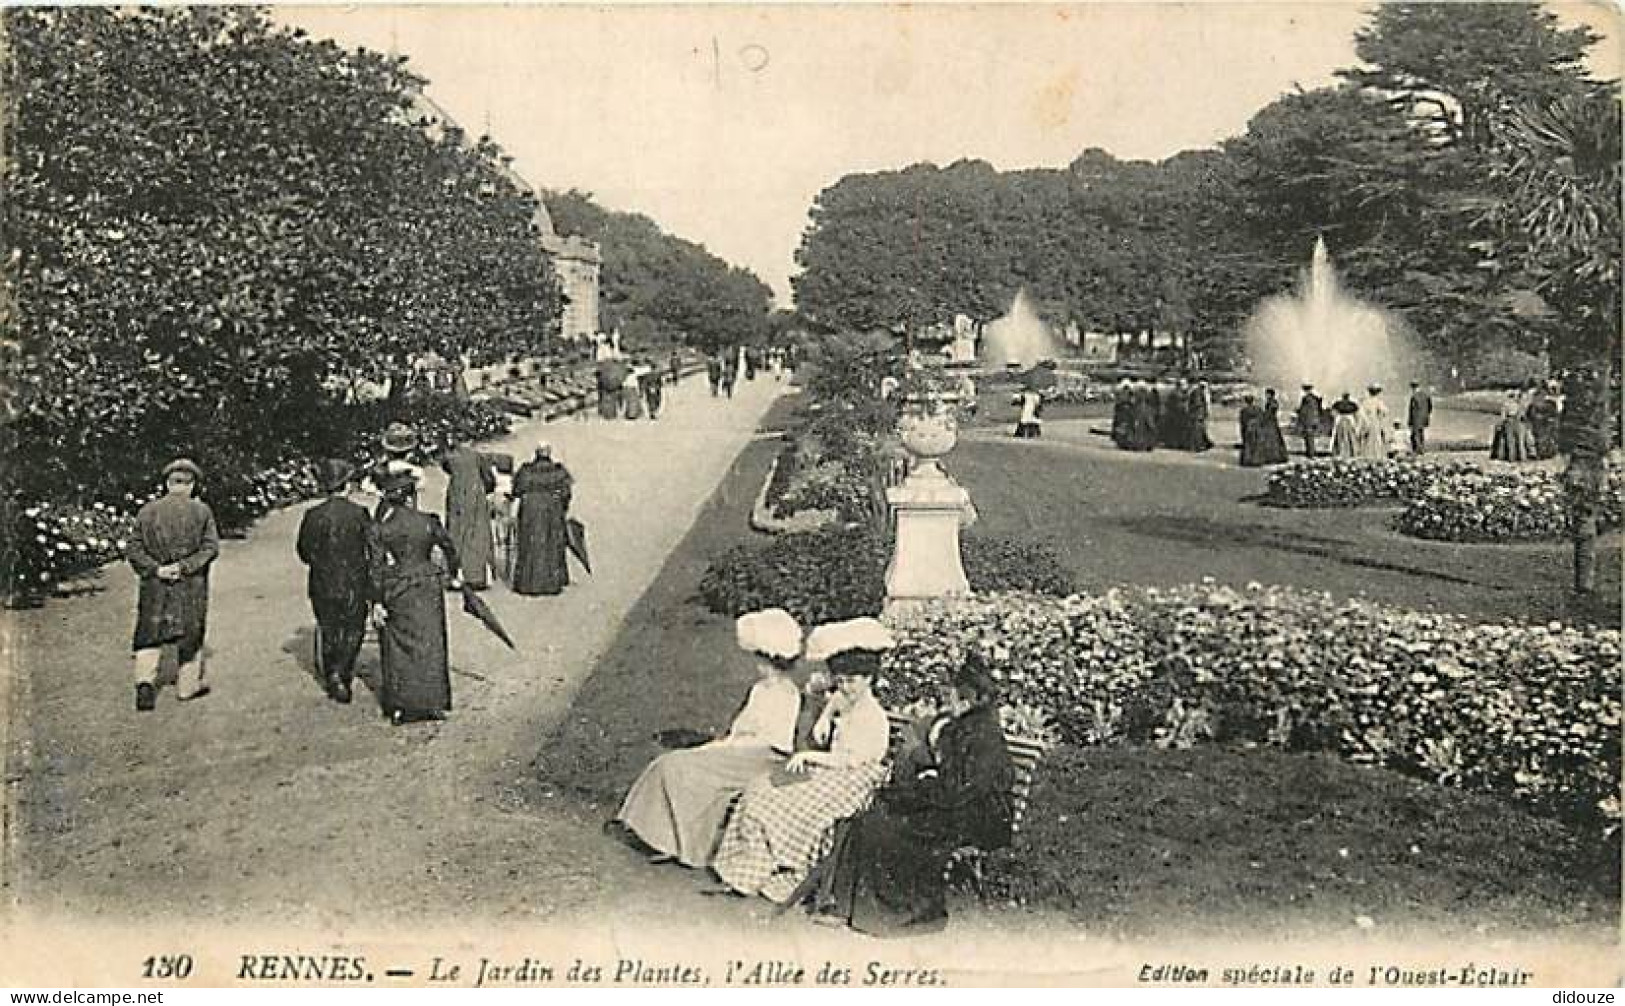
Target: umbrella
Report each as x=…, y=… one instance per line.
x=576, y=539
x=475, y=605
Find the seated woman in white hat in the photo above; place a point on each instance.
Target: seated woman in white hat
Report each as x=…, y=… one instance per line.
x=678, y=805
x=778, y=829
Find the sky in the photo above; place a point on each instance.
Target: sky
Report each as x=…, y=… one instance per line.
x=722, y=123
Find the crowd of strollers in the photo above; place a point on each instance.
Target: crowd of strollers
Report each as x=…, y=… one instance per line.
x=1174, y=416
x=840, y=819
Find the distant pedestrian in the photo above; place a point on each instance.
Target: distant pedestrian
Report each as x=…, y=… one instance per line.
x=544, y=489
x=1030, y=423
x=713, y=373
x=653, y=393
x=1417, y=416
x=675, y=365
x=1197, y=406
x=1374, y=432
x=174, y=544
x=730, y=372
x=1544, y=415
x=1271, y=444
x=1250, y=418
x=1513, y=440
x=336, y=541
x=1345, y=427
x=471, y=478
x=1310, y=413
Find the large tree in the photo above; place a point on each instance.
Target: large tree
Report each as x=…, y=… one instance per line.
x=1560, y=162
x=208, y=218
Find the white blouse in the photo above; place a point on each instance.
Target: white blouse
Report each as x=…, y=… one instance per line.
x=769, y=716
x=857, y=734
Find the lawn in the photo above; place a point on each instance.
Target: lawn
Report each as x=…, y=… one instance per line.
x=1137, y=840
x=1168, y=518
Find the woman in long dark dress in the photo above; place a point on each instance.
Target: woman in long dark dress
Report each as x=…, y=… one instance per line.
x=1250, y=417
x=1122, y=413
x=543, y=488
x=885, y=873
x=1196, y=406
x=1271, y=443
x=412, y=608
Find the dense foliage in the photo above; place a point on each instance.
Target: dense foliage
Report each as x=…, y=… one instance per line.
x=657, y=288
x=827, y=575
x=1530, y=713
x=214, y=227
x=49, y=543
x=1466, y=163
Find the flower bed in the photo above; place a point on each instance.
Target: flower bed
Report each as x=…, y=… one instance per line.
x=1503, y=505
x=1340, y=482
x=1529, y=713
x=826, y=575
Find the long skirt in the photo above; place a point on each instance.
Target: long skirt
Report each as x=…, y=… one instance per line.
x=782, y=826
x=412, y=643
x=1271, y=444
x=1345, y=436
x=468, y=521
x=884, y=876
x=634, y=403
x=1029, y=431
x=1372, y=440
x=539, y=542
x=680, y=802
x=609, y=403
x=1513, y=441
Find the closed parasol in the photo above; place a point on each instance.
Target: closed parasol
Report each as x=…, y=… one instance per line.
x=475, y=605
x=575, y=538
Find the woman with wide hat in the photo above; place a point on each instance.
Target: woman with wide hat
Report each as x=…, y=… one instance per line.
x=411, y=608
x=678, y=805
x=781, y=822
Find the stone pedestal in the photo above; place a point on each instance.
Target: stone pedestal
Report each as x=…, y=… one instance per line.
x=925, y=563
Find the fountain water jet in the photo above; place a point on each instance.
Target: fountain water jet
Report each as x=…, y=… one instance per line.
x=1322, y=336
x=1020, y=336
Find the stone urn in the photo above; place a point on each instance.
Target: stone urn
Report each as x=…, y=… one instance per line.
x=928, y=508
x=929, y=429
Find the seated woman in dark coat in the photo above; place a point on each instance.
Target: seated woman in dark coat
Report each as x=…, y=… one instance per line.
x=885, y=873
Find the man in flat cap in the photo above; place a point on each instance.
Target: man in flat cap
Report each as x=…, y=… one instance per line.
x=174, y=544
x=335, y=541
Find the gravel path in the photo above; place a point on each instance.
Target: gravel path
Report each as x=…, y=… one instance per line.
x=267, y=801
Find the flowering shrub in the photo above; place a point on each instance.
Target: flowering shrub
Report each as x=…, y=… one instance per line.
x=1530, y=713
x=54, y=543
x=1337, y=482
x=48, y=542
x=1501, y=505
x=830, y=485
x=827, y=575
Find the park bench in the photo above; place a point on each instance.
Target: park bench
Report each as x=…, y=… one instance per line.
x=1025, y=754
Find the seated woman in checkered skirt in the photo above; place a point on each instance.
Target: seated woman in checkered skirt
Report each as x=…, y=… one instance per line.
x=781, y=826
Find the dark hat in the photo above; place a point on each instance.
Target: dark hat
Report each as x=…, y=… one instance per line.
x=332, y=474
x=390, y=480
x=400, y=438
x=184, y=465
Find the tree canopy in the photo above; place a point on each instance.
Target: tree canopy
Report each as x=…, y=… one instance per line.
x=661, y=289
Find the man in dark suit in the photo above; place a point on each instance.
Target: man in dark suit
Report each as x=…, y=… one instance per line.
x=1310, y=411
x=1419, y=414
x=335, y=539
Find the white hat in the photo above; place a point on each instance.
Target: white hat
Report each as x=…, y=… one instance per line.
x=772, y=633
x=544, y=449
x=853, y=634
